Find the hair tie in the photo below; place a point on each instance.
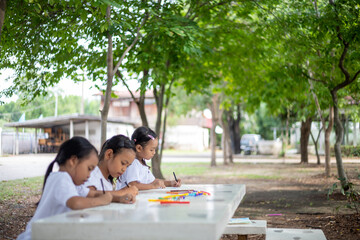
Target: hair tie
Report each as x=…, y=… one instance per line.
x=135, y=140
x=151, y=137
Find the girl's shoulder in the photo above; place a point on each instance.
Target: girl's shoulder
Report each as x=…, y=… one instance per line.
x=59, y=175
x=59, y=178
x=96, y=172
x=137, y=163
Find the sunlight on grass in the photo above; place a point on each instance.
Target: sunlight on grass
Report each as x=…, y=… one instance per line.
x=20, y=187
x=184, y=169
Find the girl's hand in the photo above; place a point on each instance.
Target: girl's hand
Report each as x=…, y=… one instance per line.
x=127, y=199
x=158, y=183
x=106, y=198
x=176, y=183
x=132, y=190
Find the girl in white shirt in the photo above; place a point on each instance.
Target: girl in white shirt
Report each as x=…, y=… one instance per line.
x=76, y=158
x=117, y=153
x=138, y=174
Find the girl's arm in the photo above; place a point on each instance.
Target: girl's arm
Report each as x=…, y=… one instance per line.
x=173, y=183
x=122, y=197
x=133, y=190
x=157, y=183
x=77, y=203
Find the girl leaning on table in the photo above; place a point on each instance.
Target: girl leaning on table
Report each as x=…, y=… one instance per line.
x=76, y=158
x=117, y=153
x=138, y=174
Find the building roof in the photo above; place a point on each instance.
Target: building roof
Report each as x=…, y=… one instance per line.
x=49, y=122
x=126, y=94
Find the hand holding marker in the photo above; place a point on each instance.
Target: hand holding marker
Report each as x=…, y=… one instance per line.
x=177, y=182
x=102, y=185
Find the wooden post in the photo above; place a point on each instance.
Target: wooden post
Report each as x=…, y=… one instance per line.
x=87, y=129
x=71, y=128
x=36, y=141
x=17, y=142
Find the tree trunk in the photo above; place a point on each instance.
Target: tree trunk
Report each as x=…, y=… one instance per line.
x=316, y=145
x=110, y=76
x=2, y=15
x=224, y=137
x=327, y=142
x=214, y=120
x=228, y=139
x=339, y=130
x=159, y=98
x=224, y=147
x=287, y=130
x=234, y=129
x=213, y=143
x=346, y=129
x=327, y=129
x=167, y=101
x=141, y=103
x=164, y=128
x=304, y=139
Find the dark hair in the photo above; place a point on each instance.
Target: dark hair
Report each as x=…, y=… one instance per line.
x=76, y=146
x=142, y=135
x=117, y=143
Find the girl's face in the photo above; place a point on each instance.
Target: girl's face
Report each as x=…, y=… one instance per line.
x=81, y=170
x=148, y=151
x=119, y=162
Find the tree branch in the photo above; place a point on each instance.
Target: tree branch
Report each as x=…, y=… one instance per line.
x=138, y=34
x=2, y=14
x=317, y=103
x=355, y=76
x=127, y=86
x=347, y=80
x=211, y=7
x=123, y=37
x=314, y=79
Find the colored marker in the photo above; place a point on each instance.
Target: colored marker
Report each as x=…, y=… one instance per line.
x=180, y=191
x=102, y=185
x=174, y=202
x=175, y=177
x=127, y=184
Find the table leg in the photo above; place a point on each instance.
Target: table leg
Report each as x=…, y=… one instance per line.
x=242, y=237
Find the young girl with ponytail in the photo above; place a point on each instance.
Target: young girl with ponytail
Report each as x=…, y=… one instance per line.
x=139, y=174
x=76, y=158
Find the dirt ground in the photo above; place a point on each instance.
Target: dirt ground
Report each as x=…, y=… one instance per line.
x=298, y=192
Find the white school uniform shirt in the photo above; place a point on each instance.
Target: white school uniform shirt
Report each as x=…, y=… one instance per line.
x=94, y=180
x=59, y=188
x=135, y=172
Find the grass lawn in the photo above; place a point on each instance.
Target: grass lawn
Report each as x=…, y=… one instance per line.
x=16, y=189
x=297, y=191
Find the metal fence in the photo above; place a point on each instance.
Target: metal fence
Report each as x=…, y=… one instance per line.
x=26, y=142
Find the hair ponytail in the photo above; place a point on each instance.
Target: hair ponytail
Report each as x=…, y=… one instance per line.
x=48, y=171
x=76, y=146
x=142, y=135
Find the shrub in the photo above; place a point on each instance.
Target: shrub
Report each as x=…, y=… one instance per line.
x=347, y=151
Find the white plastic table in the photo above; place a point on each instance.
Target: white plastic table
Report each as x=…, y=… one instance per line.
x=206, y=217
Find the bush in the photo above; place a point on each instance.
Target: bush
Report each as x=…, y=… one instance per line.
x=347, y=151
